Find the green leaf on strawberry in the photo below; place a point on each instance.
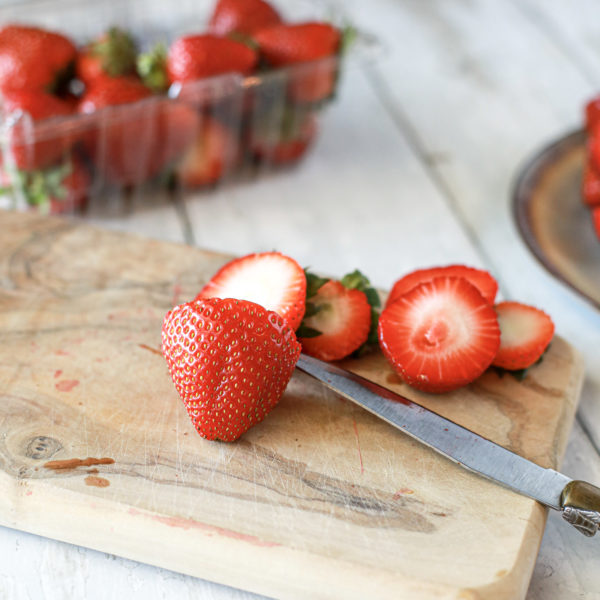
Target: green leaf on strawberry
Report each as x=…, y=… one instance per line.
x=152, y=68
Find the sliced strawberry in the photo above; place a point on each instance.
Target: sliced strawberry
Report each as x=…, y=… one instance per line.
x=482, y=280
x=341, y=322
x=271, y=279
x=596, y=220
x=590, y=188
x=525, y=332
x=440, y=335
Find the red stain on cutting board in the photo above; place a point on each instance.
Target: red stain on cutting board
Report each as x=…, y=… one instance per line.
x=66, y=385
x=189, y=524
x=96, y=481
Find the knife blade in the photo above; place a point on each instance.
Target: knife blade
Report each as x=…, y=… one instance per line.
x=578, y=501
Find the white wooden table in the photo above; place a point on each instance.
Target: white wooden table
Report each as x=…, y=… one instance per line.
x=413, y=168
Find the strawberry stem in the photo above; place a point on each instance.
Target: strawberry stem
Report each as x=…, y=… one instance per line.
x=152, y=68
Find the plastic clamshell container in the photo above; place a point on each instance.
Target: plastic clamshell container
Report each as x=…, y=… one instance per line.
x=197, y=136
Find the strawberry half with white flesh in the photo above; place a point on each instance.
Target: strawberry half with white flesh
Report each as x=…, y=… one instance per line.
x=339, y=322
x=271, y=279
x=440, y=335
x=525, y=333
x=482, y=280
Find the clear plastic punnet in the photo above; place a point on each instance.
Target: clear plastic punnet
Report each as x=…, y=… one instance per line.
x=195, y=136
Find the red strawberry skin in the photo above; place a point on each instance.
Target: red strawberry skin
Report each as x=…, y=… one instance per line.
x=139, y=136
x=288, y=150
x=33, y=58
x=441, y=335
x=198, y=56
x=286, y=295
x=46, y=141
x=285, y=45
x=592, y=114
x=242, y=16
x=482, y=280
x=344, y=320
x=230, y=361
x=208, y=156
x=526, y=332
x=590, y=189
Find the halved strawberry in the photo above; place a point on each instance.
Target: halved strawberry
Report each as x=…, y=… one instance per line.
x=590, y=187
x=271, y=279
x=482, y=280
x=340, y=322
x=440, y=335
x=525, y=332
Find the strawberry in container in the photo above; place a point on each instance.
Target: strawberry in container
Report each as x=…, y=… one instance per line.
x=311, y=49
x=134, y=134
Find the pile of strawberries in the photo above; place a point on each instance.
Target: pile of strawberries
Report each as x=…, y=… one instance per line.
x=232, y=350
x=590, y=189
x=129, y=131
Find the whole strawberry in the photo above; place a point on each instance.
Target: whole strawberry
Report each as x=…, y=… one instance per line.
x=242, y=16
x=112, y=54
x=33, y=58
x=230, y=361
x=36, y=140
x=197, y=56
x=287, y=45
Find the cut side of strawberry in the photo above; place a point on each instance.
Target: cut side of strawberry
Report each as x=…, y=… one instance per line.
x=271, y=279
x=440, y=335
x=482, y=280
x=526, y=332
x=340, y=322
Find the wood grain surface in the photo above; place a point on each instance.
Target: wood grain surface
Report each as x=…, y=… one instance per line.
x=320, y=500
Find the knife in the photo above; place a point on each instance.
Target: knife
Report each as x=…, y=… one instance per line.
x=578, y=501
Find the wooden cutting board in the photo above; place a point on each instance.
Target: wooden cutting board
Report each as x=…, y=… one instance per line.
x=321, y=500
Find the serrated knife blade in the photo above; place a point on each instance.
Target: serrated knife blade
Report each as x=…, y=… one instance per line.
x=578, y=501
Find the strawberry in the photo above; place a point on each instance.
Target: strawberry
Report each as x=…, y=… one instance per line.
x=112, y=54
x=230, y=361
x=286, y=45
x=590, y=189
x=34, y=59
x=482, y=280
x=596, y=220
x=111, y=92
x=208, y=156
x=525, y=333
x=270, y=279
x=42, y=143
x=292, y=143
x=440, y=335
x=56, y=190
x=137, y=136
x=198, y=56
x=592, y=114
x=242, y=16
x=339, y=322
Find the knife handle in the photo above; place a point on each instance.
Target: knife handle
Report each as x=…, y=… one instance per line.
x=580, y=503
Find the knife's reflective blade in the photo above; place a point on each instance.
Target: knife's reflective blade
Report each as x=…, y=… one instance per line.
x=446, y=437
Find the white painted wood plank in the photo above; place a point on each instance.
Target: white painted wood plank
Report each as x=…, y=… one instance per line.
x=360, y=200
x=567, y=565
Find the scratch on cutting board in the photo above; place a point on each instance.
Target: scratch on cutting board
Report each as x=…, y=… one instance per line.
x=189, y=524
x=362, y=468
x=150, y=349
